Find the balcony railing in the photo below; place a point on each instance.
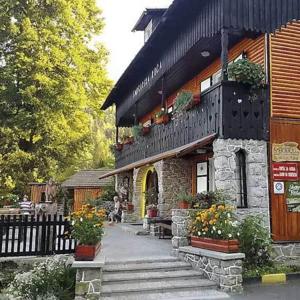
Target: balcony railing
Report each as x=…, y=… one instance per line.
x=225, y=109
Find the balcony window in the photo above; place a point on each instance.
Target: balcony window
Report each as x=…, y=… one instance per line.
x=205, y=84
x=241, y=178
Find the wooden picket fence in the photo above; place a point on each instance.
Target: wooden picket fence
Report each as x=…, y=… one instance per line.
x=25, y=235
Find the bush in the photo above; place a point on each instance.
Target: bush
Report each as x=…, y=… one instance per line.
x=255, y=242
x=206, y=199
x=52, y=279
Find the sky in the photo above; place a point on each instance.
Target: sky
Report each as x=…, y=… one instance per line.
x=120, y=17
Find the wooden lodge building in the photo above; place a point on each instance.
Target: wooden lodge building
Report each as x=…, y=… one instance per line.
x=246, y=147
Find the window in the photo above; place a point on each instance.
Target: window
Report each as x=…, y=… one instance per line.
x=241, y=178
x=205, y=84
x=170, y=109
x=216, y=78
x=202, y=177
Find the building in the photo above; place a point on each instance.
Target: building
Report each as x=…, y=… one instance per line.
x=230, y=141
x=86, y=185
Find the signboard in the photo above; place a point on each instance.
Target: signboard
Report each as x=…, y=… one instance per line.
x=285, y=171
x=293, y=196
x=285, y=152
x=278, y=188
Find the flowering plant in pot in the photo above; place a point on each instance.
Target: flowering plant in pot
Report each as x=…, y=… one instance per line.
x=140, y=130
x=185, y=100
x=128, y=140
x=215, y=228
x=152, y=211
x=87, y=229
x=184, y=200
x=162, y=117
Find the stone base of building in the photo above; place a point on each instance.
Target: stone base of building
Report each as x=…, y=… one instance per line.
x=88, y=279
x=128, y=217
x=286, y=252
x=223, y=268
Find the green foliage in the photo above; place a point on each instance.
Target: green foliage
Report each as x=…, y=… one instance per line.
x=137, y=130
x=182, y=100
x=255, y=242
x=9, y=200
x=53, y=81
x=207, y=199
x=248, y=73
x=52, y=279
x=161, y=113
x=185, y=196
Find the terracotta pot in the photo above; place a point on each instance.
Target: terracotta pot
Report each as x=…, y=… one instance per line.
x=227, y=246
x=164, y=119
x=87, y=252
x=119, y=147
x=129, y=140
x=152, y=213
x=130, y=207
x=183, y=204
x=146, y=130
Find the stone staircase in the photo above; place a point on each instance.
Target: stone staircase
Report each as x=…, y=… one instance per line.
x=164, y=279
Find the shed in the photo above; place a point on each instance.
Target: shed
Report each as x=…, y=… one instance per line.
x=85, y=185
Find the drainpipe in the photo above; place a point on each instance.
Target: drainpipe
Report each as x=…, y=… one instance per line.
x=224, y=54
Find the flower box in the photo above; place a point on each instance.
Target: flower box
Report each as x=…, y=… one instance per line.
x=152, y=213
x=227, y=246
x=163, y=119
x=183, y=204
x=128, y=140
x=87, y=252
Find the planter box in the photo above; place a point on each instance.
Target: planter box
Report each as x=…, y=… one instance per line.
x=183, y=205
x=226, y=246
x=129, y=141
x=87, y=252
x=164, y=119
x=146, y=130
x=152, y=213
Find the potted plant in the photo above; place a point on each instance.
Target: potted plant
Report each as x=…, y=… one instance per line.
x=140, y=130
x=184, y=200
x=129, y=206
x=151, y=201
x=117, y=146
x=128, y=140
x=162, y=117
x=185, y=100
x=215, y=229
x=248, y=73
x=205, y=200
x=87, y=229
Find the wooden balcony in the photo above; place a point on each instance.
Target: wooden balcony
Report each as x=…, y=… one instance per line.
x=225, y=110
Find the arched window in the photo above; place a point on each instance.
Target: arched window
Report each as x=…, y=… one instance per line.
x=241, y=176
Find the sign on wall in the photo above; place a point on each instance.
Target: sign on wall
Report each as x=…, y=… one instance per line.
x=285, y=152
x=285, y=171
x=293, y=196
x=279, y=188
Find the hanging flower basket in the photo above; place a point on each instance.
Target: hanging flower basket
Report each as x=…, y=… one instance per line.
x=226, y=246
x=87, y=252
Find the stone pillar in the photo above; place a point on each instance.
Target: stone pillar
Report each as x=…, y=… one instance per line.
x=181, y=222
x=88, y=279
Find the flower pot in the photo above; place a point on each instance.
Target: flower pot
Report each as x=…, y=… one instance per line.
x=183, y=204
x=87, y=252
x=152, y=213
x=164, y=119
x=227, y=246
x=119, y=147
x=129, y=140
x=130, y=207
x=146, y=130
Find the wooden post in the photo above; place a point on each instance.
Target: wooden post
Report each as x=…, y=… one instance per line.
x=117, y=134
x=224, y=54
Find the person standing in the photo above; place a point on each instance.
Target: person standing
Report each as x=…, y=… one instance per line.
x=26, y=206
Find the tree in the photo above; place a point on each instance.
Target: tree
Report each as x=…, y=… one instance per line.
x=53, y=80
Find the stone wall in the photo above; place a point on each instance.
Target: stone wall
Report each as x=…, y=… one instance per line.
x=256, y=172
x=223, y=268
x=286, y=252
x=88, y=280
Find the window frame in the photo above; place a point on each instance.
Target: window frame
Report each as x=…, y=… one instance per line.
x=241, y=159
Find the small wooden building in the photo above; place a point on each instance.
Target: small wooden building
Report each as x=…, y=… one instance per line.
x=41, y=192
x=85, y=185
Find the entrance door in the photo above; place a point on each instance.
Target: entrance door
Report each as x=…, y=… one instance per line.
x=152, y=185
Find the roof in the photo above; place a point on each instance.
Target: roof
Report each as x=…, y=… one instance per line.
x=177, y=152
x=206, y=18
x=88, y=178
x=146, y=17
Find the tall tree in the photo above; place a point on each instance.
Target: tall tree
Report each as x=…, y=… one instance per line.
x=53, y=80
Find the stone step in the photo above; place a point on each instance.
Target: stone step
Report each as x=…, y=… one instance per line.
x=141, y=267
x=174, y=295
x=162, y=275
x=143, y=260
x=142, y=287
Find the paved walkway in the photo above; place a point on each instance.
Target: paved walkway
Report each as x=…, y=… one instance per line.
x=120, y=245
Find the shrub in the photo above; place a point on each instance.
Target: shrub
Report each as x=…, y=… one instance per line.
x=207, y=199
x=52, y=279
x=255, y=242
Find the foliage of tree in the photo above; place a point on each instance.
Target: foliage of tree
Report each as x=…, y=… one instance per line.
x=53, y=80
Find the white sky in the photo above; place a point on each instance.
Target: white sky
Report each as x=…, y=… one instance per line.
x=120, y=17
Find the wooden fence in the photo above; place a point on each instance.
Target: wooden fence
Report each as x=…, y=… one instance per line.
x=35, y=235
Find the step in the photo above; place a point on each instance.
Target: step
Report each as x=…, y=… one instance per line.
x=147, y=287
x=141, y=267
x=153, y=259
x=165, y=275
x=174, y=295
